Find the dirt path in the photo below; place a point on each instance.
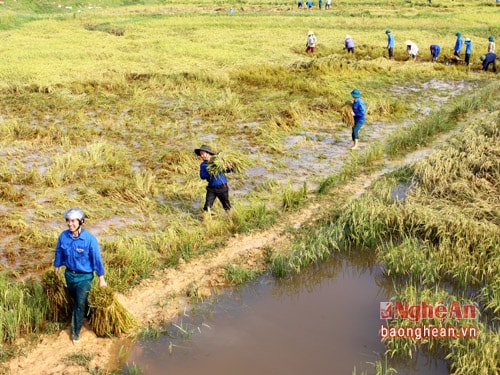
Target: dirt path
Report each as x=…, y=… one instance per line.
x=161, y=297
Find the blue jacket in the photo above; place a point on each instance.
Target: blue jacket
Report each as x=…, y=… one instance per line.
x=390, y=40
x=490, y=57
x=359, y=109
x=349, y=43
x=436, y=48
x=458, y=44
x=213, y=181
x=468, y=47
x=79, y=253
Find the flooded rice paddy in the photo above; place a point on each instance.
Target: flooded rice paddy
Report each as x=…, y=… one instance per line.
x=323, y=321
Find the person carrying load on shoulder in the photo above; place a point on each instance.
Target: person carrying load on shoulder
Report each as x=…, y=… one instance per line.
x=217, y=183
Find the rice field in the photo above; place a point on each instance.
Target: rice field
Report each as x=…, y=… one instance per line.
x=101, y=107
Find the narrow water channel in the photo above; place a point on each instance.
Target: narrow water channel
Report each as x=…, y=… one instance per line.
x=323, y=321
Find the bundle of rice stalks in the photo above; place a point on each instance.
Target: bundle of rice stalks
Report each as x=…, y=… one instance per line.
x=109, y=317
x=57, y=295
x=347, y=116
x=220, y=163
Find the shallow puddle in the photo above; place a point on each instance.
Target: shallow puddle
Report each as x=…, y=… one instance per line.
x=324, y=321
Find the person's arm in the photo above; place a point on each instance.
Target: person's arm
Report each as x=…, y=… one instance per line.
x=96, y=259
x=58, y=259
x=204, y=174
x=102, y=282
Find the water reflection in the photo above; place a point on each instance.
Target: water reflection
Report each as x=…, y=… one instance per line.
x=323, y=321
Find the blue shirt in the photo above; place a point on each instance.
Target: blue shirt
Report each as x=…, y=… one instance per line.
x=458, y=44
x=436, y=49
x=359, y=109
x=79, y=253
x=213, y=181
x=390, y=40
x=490, y=57
x=468, y=47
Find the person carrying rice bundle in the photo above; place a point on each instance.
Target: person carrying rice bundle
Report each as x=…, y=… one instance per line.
x=217, y=181
x=78, y=251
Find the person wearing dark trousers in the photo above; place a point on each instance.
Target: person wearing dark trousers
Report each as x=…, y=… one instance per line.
x=78, y=251
x=217, y=184
x=489, y=59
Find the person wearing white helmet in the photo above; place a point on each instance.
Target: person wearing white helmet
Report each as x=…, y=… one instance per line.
x=468, y=50
x=77, y=250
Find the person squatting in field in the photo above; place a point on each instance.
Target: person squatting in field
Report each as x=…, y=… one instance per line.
x=217, y=184
x=411, y=49
x=349, y=44
x=359, y=113
x=79, y=252
x=435, y=49
x=489, y=58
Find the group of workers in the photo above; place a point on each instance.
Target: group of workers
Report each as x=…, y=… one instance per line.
x=411, y=48
x=487, y=59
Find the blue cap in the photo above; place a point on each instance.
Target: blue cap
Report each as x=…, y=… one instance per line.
x=387, y=31
x=458, y=34
x=355, y=93
x=491, y=39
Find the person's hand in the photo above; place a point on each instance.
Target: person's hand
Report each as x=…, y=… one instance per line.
x=102, y=282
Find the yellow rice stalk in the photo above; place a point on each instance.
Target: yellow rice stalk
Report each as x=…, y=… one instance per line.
x=219, y=163
x=347, y=116
x=109, y=318
x=57, y=294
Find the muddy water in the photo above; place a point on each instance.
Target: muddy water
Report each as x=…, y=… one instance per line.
x=324, y=321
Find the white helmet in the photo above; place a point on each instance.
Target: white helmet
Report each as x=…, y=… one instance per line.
x=75, y=213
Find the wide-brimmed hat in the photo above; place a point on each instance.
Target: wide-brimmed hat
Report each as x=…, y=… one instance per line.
x=310, y=33
x=482, y=58
x=408, y=43
x=467, y=39
x=204, y=148
x=355, y=93
x=348, y=37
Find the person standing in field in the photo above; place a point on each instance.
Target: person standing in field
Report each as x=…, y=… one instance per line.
x=79, y=252
x=309, y=4
x=390, y=44
x=491, y=44
x=328, y=4
x=349, y=44
x=468, y=50
x=458, y=45
x=411, y=49
x=311, y=42
x=217, y=184
x=359, y=113
x=489, y=58
x=320, y=3
x=435, y=49
x=299, y=4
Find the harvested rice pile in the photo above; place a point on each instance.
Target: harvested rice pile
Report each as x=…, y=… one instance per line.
x=57, y=295
x=109, y=318
x=347, y=116
x=219, y=163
